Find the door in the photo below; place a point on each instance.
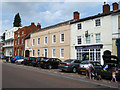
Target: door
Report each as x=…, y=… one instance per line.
x=45, y=52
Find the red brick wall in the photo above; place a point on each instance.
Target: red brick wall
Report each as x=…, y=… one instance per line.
x=21, y=46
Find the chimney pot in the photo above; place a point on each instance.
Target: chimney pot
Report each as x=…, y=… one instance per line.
x=76, y=15
x=32, y=23
x=115, y=6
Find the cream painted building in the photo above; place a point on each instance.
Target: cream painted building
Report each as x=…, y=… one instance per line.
x=53, y=41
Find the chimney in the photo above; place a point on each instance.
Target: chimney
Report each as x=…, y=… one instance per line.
x=32, y=23
x=39, y=26
x=115, y=6
x=76, y=15
x=106, y=8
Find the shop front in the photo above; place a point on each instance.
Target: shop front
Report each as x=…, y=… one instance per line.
x=91, y=52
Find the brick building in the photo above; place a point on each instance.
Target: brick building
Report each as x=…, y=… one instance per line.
x=19, y=37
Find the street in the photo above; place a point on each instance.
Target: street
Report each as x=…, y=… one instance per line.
x=20, y=76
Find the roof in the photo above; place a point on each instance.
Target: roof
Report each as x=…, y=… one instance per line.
x=62, y=23
x=28, y=36
x=96, y=16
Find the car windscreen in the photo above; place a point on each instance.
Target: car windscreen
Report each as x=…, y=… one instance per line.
x=25, y=57
x=20, y=57
x=96, y=64
x=85, y=62
x=69, y=60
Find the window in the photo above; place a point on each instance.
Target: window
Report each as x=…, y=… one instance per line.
x=38, y=41
x=97, y=22
x=27, y=43
x=33, y=53
x=98, y=38
x=22, y=32
x=15, y=42
x=79, y=26
x=45, y=52
x=22, y=40
x=18, y=52
x=79, y=39
x=62, y=37
x=62, y=52
x=54, y=38
x=33, y=42
x=54, y=52
x=38, y=53
x=45, y=40
x=18, y=41
x=22, y=52
x=88, y=39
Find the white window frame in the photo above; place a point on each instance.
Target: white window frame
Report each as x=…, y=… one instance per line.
x=54, y=53
x=33, y=53
x=33, y=42
x=87, y=40
x=39, y=41
x=45, y=42
x=96, y=39
x=61, y=53
x=53, y=39
x=61, y=38
x=97, y=24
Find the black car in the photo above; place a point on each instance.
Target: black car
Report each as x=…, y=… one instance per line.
x=29, y=60
x=84, y=65
x=37, y=61
x=50, y=63
x=70, y=65
x=106, y=71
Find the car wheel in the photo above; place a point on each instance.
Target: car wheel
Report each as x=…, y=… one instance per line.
x=49, y=67
x=74, y=70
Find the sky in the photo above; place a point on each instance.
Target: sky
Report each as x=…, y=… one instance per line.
x=46, y=12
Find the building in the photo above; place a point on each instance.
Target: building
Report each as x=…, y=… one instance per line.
x=91, y=36
x=83, y=39
x=1, y=48
x=9, y=41
x=19, y=37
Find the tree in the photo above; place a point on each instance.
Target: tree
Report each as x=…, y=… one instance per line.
x=17, y=21
x=3, y=37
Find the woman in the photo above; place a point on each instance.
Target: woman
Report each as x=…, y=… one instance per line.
x=89, y=69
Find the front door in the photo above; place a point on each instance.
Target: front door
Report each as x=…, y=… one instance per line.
x=45, y=52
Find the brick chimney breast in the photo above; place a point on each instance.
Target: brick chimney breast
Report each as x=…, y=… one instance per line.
x=115, y=6
x=76, y=15
x=106, y=8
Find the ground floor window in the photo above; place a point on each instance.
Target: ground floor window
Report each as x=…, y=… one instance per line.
x=89, y=54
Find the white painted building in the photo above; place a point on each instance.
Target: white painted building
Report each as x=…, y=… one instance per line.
x=9, y=41
x=91, y=36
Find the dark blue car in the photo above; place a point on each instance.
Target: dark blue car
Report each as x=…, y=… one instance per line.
x=16, y=58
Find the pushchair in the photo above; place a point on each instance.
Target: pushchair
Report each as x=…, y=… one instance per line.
x=95, y=75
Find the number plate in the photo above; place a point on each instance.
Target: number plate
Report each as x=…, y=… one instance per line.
x=62, y=64
x=82, y=70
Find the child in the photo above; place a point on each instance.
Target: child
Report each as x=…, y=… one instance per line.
x=113, y=76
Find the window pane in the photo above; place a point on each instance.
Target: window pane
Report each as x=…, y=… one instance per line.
x=79, y=26
x=79, y=39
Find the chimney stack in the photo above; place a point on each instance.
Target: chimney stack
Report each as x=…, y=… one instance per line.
x=32, y=23
x=76, y=15
x=106, y=8
x=115, y=6
x=38, y=26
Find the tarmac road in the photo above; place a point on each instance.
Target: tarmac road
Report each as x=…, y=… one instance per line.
x=20, y=76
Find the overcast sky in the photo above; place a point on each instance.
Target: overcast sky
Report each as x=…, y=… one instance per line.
x=46, y=13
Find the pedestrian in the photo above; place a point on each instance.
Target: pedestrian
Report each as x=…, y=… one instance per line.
x=89, y=69
x=113, y=75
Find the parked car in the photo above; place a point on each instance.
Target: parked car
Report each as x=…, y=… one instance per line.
x=37, y=61
x=70, y=65
x=20, y=61
x=50, y=63
x=106, y=71
x=29, y=60
x=16, y=58
x=84, y=65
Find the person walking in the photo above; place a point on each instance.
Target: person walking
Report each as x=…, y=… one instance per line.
x=89, y=69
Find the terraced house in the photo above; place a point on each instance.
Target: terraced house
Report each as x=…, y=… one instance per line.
x=83, y=39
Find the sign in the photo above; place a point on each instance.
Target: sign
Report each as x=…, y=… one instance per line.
x=89, y=47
